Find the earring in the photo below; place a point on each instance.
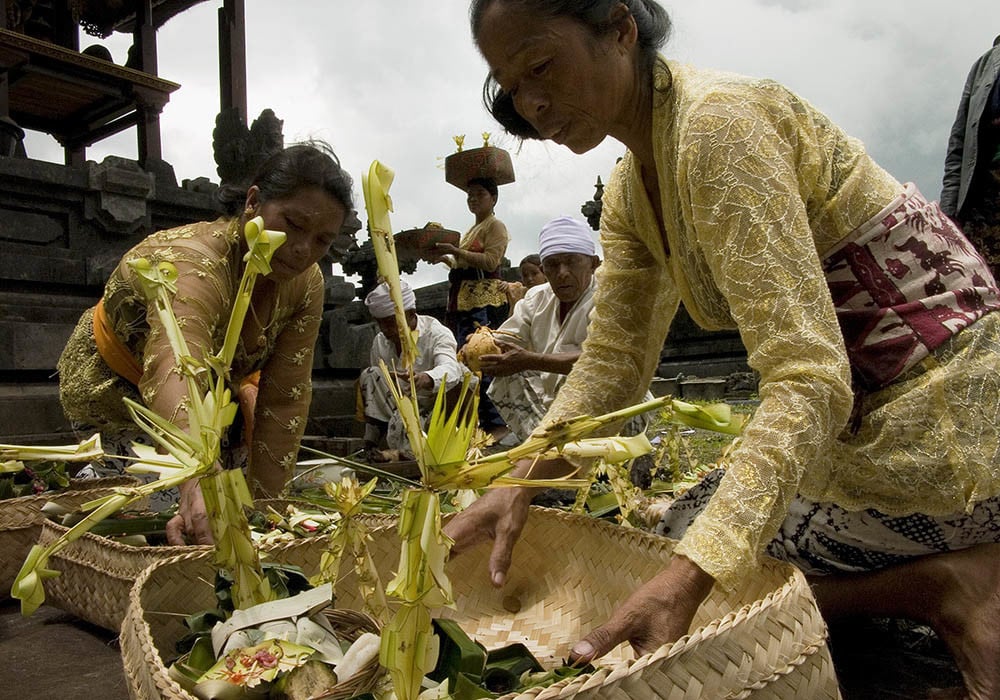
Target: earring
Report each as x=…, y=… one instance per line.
x=248, y=212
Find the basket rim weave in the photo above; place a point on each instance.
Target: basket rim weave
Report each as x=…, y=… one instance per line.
x=793, y=586
x=97, y=572
x=23, y=511
x=789, y=606
x=21, y=520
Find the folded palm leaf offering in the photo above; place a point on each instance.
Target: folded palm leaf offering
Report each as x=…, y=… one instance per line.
x=301, y=647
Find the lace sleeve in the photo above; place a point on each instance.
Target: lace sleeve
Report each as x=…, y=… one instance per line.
x=750, y=223
x=494, y=240
x=201, y=304
x=285, y=392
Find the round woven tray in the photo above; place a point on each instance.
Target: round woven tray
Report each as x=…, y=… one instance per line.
x=422, y=242
x=21, y=520
x=764, y=640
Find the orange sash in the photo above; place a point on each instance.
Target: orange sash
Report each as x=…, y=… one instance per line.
x=112, y=349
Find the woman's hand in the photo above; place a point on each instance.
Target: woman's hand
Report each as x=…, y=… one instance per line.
x=498, y=515
x=446, y=249
x=658, y=613
x=190, y=525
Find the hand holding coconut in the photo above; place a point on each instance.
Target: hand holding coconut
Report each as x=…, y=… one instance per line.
x=511, y=359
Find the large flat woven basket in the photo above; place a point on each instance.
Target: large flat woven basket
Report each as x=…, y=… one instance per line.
x=765, y=640
x=21, y=520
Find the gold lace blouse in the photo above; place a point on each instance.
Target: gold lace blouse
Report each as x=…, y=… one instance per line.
x=278, y=338
x=485, y=244
x=754, y=185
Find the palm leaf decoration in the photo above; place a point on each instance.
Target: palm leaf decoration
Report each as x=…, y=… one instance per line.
x=351, y=534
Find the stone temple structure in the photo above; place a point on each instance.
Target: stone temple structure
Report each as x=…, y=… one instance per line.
x=64, y=226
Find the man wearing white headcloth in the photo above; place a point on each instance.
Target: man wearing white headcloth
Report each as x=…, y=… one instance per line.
x=435, y=363
x=543, y=337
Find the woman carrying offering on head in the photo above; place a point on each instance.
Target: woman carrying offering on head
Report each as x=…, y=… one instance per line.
x=119, y=348
x=476, y=294
x=872, y=461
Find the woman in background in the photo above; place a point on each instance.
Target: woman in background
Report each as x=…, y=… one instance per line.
x=477, y=296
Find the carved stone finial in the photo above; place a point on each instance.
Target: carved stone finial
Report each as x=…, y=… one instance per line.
x=592, y=209
x=119, y=191
x=239, y=150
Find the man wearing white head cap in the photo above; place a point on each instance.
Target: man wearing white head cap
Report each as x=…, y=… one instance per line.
x=543, y=337
x=435, y=363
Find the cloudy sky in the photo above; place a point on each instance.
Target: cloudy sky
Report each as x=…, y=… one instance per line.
x=395, y=80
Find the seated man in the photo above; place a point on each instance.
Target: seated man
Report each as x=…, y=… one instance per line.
x=543, y=337
x=435, y=363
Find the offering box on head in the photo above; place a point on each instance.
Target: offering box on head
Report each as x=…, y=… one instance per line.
x=488, y=162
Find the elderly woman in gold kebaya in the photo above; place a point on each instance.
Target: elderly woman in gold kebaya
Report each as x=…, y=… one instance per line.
x=873, y=460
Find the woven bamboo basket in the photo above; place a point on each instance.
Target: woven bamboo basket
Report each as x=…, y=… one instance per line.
x=171, y=588
x=764, y=640
x=97, y=573
x=21, y=520
x=488, y=162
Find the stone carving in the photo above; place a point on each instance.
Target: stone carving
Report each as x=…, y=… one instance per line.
x=592, y=209
x=240, y=150
x=119, y=190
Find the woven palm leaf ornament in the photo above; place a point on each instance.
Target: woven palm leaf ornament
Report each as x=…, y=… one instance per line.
x=352, y=535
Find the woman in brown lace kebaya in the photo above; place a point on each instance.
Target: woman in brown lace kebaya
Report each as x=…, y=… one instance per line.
x=873, y=460
x=119, y=348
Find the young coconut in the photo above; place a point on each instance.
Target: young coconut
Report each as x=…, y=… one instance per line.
x=481, y=342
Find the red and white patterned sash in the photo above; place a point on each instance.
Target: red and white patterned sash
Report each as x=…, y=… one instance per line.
x=904, y=283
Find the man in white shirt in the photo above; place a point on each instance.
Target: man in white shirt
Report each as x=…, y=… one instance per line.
x=543, y=337
x=435, y=363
